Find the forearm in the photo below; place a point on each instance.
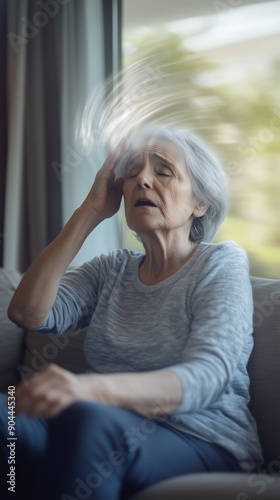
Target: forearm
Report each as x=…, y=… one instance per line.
x=37, y=291
x=150, y=394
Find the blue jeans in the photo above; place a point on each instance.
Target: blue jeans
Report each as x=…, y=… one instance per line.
x=96, y=451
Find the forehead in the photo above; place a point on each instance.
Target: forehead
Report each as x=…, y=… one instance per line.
x=158, y=147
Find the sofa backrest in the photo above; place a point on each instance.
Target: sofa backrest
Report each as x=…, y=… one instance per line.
x=264, y=369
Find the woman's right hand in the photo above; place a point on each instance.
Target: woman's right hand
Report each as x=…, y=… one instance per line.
x=105, y=195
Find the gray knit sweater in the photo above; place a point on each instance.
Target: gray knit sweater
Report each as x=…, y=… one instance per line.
x=196, y=323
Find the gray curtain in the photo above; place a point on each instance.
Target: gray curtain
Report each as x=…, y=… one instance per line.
x=53, y=59
x=32, y=214
x=3, y=120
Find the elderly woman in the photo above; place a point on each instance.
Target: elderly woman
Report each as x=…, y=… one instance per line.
x=168, y=339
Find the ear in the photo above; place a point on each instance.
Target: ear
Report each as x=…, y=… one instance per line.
x=200, y=209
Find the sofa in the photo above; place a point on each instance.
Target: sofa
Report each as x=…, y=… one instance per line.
x=23, y=353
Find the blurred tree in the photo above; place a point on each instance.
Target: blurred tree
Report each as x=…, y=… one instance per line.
x=240, y=122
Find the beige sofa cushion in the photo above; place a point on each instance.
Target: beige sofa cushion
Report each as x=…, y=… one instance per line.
x=264, y=368
x=11, y=337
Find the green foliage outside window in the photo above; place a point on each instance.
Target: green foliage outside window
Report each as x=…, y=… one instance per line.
x=240, y=122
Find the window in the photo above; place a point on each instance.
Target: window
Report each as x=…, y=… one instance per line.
x=216, y=73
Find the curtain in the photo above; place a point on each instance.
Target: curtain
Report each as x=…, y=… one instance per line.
x=81, y=75
x=53, y=59
x=3, y=120
x=33, y=94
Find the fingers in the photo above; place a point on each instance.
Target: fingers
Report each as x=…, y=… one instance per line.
x=116, y=155
x=123, y=146
x=105, y=195
x=30, y=394
x=45, y=393
x=118, y=185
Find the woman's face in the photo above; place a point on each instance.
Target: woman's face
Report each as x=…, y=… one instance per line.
x=157, y=189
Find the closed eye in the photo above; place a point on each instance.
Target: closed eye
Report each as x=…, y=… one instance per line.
x=163, y=170
x=132, y=172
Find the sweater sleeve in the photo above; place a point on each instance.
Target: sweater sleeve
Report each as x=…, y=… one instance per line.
x=76, y=299
x=221, y=308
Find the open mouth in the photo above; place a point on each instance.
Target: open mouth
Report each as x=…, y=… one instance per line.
x=144, y=203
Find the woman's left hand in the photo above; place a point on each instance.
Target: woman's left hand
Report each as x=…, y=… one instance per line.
x=47, y=393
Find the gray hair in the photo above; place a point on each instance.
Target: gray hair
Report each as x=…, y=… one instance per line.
x=206, y=174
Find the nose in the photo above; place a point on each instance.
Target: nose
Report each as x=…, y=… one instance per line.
x=145, y=178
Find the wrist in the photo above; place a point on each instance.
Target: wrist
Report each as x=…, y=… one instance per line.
x=89, y=218
x=99, y=387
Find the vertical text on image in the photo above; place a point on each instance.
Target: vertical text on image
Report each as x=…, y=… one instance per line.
x=11, y=445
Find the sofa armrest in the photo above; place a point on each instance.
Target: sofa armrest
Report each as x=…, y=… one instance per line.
x=215, y=486
x=11, y=336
